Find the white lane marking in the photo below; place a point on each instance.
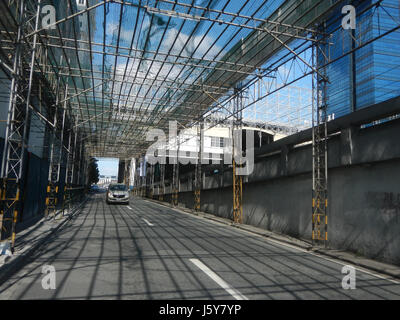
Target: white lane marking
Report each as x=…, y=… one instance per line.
x=233, y=292
x=130, y=208
x=147, y=221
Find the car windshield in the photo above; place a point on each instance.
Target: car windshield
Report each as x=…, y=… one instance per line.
x=118, y=187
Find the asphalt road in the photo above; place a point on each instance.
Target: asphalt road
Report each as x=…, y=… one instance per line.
x=148, y=251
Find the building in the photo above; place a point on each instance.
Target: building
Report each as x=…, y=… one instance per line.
x=105, y=180
x=371, y=74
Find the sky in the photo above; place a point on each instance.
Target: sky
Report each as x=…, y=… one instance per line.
x=108, y=166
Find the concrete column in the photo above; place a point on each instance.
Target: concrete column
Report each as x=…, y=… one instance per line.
x=347, y=145
x=121, y=171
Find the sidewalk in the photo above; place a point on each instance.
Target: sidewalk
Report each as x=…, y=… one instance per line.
x=344, y=256
x=30, y=239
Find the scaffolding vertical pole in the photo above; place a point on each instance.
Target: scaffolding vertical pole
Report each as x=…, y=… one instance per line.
x=73, y=164
x=60, y=151
x=144, y=186
x=175, y=184
x=82, y=173
x=130, y=178
x=72, y=181
x=79, y=171
x=68, y=173
x=152, y=166
x=12, y=143
x=143, y=179
x=135, y=181
x=319, y=146
x=85, y=169
x=17, y=130
x=162, y=182
x=175, y=176
x=28, y=97
x=55, y=158
x=236, y=150
x=198, y=174
x=127, y=173
x=75, y=161
x=59, y=162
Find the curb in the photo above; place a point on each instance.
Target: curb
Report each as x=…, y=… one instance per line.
x=13, y=262
x=295, y=242
x=393, y=274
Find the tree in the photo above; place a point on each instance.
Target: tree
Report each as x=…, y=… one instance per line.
x=93, y=171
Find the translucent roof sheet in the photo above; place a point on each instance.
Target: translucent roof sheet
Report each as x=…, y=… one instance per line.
x=132, y=65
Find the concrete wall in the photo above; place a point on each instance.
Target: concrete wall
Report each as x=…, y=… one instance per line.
x=5, y=88
x=35, y=184
x=364, y=192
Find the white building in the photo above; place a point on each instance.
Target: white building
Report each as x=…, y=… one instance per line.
x=105, y=180
x=216, y=142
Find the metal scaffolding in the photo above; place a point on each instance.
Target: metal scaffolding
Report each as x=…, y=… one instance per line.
x=237, y=144
x=56, y=156
x=161, y=186
x=69, y=171
x=127, y=173
x=152, y=172
x=99, y=83
x=129, y=79
x=198, y=181
x=321, y=55
x=175, y=184
x=18, y=122
x=117, y=104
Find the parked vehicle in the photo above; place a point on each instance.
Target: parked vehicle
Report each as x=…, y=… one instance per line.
x=94, y=188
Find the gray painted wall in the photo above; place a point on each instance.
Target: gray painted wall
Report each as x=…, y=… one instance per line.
x=364, y=192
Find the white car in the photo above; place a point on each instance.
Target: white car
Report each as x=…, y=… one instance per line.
x=117, y=193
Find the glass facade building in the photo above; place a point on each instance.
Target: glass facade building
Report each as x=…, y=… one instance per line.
x=370, y=74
